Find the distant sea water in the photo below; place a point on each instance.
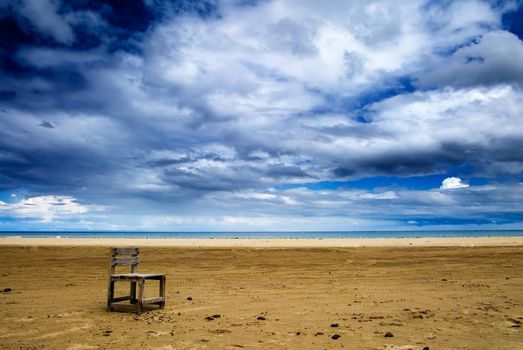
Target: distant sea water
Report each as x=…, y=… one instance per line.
x=282, y=234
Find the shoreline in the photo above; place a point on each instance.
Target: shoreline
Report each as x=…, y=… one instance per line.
x=268, y=242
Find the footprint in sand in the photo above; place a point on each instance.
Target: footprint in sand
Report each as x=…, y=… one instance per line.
x=514, y=323
x=157, y=333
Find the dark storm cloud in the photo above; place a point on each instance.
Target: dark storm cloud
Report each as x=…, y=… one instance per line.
x=50, y=48
x=60, y=169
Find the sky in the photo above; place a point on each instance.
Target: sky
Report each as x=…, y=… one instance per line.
x=261, y=115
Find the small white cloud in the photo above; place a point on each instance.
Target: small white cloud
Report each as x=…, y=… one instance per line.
x=452, y=182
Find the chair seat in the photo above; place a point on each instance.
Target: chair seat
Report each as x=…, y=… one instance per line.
x=136, y=275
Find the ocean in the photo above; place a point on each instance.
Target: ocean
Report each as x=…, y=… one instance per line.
x=265, y=234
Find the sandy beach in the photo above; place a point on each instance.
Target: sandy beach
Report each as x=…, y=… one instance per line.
x=269, y=294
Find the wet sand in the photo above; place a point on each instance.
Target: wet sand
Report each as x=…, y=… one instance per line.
x=441, y=297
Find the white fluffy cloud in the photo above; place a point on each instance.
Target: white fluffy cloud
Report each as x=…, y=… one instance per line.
x=452, y=182
x=45, y=208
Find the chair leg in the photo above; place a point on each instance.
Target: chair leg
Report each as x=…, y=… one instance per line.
x=141, y=295
x=133, y=292
x=110, y=296
x=162, y=292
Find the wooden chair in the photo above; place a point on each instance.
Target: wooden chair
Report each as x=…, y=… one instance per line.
x=129, y=256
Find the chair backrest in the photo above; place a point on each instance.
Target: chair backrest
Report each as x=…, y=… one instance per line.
x=124, y=256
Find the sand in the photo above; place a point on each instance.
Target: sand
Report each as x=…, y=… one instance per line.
x=451, y=295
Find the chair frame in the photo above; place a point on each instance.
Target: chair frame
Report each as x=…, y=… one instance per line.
x=129, y=256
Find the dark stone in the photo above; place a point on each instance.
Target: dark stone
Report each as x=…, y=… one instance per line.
x=336, y=336
x=261, y=318
x=318, y=333
x=444, y=279
x=189, y=298
x=209, y=318
x=335, y=325
x=426, y=348
x=298, y=333
x=216, y=316
x=7, y=290
x=388, y=335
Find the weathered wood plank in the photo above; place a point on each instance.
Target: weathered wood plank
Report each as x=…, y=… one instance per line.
x=162, y=291
x=116, y=300
x=152, y=301
x=110, y=294
x=141, y=295
x=125, y=251
x=148, y=276
x=133, y=292
x=125, y=261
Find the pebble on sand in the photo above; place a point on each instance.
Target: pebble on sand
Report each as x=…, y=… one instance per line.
x=189, y=298
x=335, y=325
x=336, y=336
x=388, y=335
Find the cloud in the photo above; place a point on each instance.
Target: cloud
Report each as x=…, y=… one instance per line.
x=452, y=182
x=494, y=58
x=46, y=124
x=192, y=107
x=345, y=208
x=384, y=195
x=45, y=208
x=43, y=15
